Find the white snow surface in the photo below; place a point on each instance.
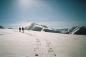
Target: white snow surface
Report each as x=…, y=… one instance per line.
x=41, y=44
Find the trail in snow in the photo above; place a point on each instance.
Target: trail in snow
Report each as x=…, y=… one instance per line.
x=38, y=49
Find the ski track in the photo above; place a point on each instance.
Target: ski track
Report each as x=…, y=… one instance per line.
x=48, y=48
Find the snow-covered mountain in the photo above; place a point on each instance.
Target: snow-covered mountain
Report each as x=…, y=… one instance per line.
x=39, y=27
x=80, y=30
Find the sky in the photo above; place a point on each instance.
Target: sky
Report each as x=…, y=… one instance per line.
x=53, y=13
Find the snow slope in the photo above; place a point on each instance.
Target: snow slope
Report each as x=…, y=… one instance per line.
x=41, y=44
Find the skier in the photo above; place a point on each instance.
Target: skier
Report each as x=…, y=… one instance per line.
x=19, y=29
x=23, y=29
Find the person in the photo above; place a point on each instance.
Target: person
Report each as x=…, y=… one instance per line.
x=23, y=29
x=19, y=29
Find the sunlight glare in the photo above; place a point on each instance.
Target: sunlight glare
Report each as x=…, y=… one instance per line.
x=26, y=3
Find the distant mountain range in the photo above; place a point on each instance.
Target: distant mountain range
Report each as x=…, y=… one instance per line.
x=38, y=27
x=80, y=30
x=74, y=30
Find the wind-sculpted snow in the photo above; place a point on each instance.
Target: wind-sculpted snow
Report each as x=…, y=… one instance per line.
x=41, y=44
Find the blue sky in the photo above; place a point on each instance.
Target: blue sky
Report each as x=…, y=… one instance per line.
x=54, y=13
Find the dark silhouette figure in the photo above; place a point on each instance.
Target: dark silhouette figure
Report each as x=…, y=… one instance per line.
x=19, y=29
x=23, y=29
